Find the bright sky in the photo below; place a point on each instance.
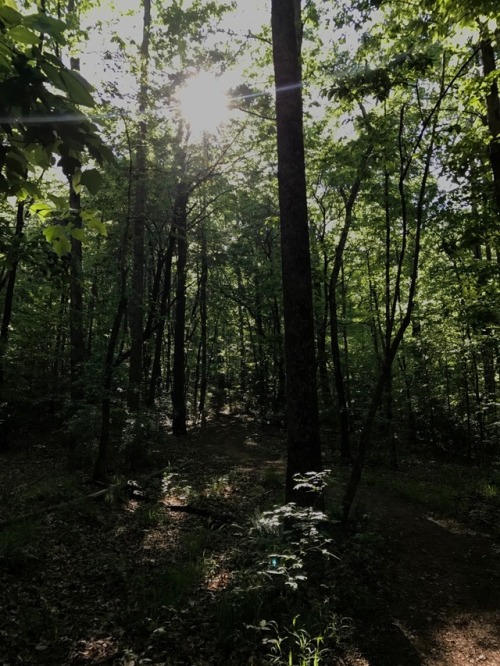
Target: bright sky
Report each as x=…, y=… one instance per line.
x=124, y=18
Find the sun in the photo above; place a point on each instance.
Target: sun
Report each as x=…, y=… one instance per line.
x=204, y=103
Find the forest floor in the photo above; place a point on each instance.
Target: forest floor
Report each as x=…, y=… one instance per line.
x=129, y=580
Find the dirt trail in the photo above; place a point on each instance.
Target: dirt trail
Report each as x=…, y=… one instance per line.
x=446, y=607
x=445, y=577
x=77, y=598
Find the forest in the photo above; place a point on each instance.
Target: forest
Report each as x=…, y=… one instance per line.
x=249, y=332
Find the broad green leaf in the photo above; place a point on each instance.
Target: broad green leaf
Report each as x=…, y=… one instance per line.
x=39, y=156
x=62, y=246
x=46, y=24
x=52, y=74
x=21, y=34
x=77, y=88
x=59, y=202
x=53, y=232
x=92, y=180
x=93, y=222
x=29, y=190
x=10, y=16
x=41, y=209
x=79, y=234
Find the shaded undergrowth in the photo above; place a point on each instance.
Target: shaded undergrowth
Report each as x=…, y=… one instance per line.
x=238, y=576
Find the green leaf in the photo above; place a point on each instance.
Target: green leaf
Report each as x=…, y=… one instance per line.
x=92, y=180
x=41, y=209
x=29, y=190
x=39, y=156
x=48, y=25
x=93, y=222
x=79, y=234
x=21, y=34
x=52, y=74
x=77, y=88
x=53, y=232
x=10, y=16
x=62, y=246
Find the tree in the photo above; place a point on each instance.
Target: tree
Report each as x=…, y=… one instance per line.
x=304, y=446
x=136, y=301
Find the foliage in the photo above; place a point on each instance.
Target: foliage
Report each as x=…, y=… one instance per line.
x=40, y=126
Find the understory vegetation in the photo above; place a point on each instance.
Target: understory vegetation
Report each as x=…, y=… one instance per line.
x=249, y=332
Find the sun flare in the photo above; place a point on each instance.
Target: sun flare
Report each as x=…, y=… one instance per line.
x=204, y=103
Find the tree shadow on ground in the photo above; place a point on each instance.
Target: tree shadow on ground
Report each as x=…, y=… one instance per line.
x=131, y=579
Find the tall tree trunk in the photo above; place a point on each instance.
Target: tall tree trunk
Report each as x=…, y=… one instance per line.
x=304, y=446
x=100, y=473
x=162, y=315
x=340, y=384
x=6, y=319
x=77, y=335
x=204, y=326
x=241, y=339
x=493, y=116
x=345, y=449
x=136, y=300
x=179, y=364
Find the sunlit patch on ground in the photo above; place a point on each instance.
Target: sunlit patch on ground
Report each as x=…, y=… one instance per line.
x=467, y=640
x=132, y=505
x=96, y=651
x=453, y=526
x=219, y=581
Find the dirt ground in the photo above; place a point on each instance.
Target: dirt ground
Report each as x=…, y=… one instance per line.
x=69, y=601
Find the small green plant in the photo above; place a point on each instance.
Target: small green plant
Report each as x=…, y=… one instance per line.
x=290, y=552
x=296, y=645
x=149, y=517
x=218, y=487
x=293, y=646
x=293, y=536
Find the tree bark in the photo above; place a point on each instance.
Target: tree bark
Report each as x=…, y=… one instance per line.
x=493, y=117
x=6, y=319
x=136, y=300
x=179, y=363
x=304, y=446
x=77, y=336
x=204, y=326
x=162, y=315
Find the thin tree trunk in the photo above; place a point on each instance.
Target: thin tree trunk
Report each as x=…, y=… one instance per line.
x=5, y=325
x=9, y=292
x=100, y=465
x=77, y=335
x=179, y=363
x=241, y=343
x=136, y=300
x=493, y=116
x=204, y=327
x=162, y=315
x=349, y=201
